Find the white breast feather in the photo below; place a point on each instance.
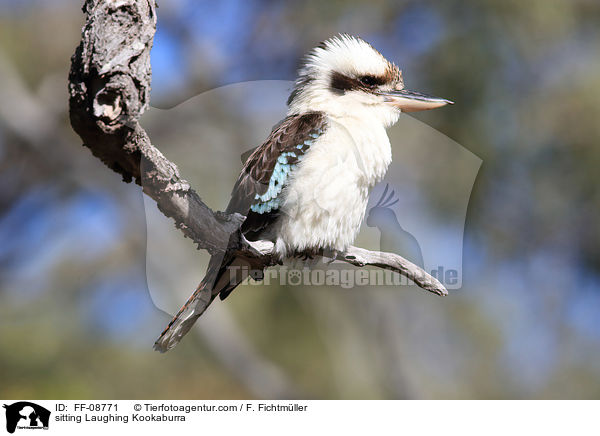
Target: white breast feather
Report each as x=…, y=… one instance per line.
x=327, y=195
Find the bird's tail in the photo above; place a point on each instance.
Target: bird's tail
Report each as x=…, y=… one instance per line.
x=218, y=279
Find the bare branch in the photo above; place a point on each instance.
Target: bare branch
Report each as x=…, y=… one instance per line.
x=109, y=88
x=360, y=257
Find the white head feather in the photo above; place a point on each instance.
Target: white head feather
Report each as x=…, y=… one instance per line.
x=347, y=59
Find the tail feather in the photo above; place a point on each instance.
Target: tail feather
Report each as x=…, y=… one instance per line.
x=217, y=280
x=185, y=318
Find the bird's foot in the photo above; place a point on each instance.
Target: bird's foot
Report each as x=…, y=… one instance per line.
x=306, y=257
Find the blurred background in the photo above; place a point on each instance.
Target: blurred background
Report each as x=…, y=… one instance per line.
x=77, y=318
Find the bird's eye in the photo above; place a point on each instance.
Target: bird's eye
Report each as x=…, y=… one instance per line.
x=369, y=81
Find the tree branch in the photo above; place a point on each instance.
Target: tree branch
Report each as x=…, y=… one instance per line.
x=360, y=257
x=394, y=262
x=109, y=89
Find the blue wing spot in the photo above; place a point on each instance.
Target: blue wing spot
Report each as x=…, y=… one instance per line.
x=265, y=207
x=269, y=200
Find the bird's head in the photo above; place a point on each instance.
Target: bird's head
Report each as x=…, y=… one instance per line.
x=345, y=76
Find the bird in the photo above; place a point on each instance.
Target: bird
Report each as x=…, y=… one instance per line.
x=306, y=187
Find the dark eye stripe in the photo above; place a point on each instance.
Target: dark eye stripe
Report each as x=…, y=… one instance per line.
x=372, y=81
x=341, y=83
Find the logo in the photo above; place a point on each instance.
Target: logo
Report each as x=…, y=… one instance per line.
x=26, y=415
x=394, y=238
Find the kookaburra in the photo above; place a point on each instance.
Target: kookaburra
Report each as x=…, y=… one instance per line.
x=306, y=187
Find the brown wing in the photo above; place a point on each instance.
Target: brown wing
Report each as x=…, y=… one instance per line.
x=257, y=192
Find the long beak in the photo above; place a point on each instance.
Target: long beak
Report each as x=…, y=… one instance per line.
x=411, y=101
